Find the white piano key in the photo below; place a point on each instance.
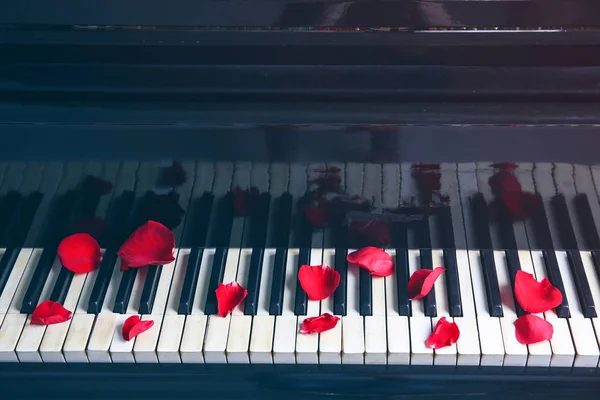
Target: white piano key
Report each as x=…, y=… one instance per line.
x=263, y=327
x=444, y=355
x=592, y=276
x=170, y=338
x=561, y=344
x=215, y=342
x=54, y=338
x=101, y=337
x=540, y=354
x=307, y=345
x=121, y=350
x=172, y=325
x=241, y=325
x=192, y=341
x=398, y=335
x=330, y=342
x=284, y=340
x=467, y=346
x=490, y=331
x=515, y=353
x=74, y=349
x=32, y=335
x=420, y=325
x=582, y=330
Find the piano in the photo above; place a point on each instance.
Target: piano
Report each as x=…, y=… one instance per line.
x=269, y=135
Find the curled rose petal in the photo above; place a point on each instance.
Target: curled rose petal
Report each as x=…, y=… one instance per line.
x=151, y=244
x=133, y=326
x=531, y=329
x=534, y=296
x=319, y=282
x=79, y=253
x=322, y=323
x=421, y=282
x=444, y=334
x=50, y=312
x=374, y=259
x=229, y=296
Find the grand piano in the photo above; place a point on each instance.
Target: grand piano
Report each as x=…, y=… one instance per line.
x=272, y=134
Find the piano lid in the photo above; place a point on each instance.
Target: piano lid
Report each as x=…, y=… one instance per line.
x=267, y=15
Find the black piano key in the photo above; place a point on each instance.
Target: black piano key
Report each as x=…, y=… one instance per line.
x=61, y=286
x=124, y=292
x=484, y=242
x=199, y=221
x=509, y=242
x=301, y=300
x=150, y=288
x=555, y=278
x=450, y=263
x=116, y=234
x=426, y=261
x=259, y=224
x=341, y=294
x=7, y=262
x=569, y=242
x=587, y=222
x=596, y=259
x=514, y=266
x=282, y=232
x=53, y=235
x=216, y=277
x=190, y=281
x=400, y=241
x=366, y=292
x=544, y=239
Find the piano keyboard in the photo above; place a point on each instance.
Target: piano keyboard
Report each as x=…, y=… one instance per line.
x=40, y=204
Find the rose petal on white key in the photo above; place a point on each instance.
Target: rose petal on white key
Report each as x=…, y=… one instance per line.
x=398, y=340
x=121, y=350
x=238, y=340
x=515, y=353
x=375, y=340
x=444, y=355
x=167, y=349
x=353, y=342
x=146, y=344
x=261, y=341
x=192, y=341
x=215, y=342
x=79, y=333
x=420, y=329
x=10, y=331
x=101, y=337
x=284, y=343
x=467, y=346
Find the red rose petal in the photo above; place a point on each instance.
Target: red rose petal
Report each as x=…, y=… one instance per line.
x=374, y=259
x=534, y=296
x=229, y=296
x=79, y=253
x=322, y=323
x=316, y=214
x=531, y=329
x=133, y=326
x=50, y=312
x=421, y=282
x=319, y=282
x=151, y=244
x=444, y=334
